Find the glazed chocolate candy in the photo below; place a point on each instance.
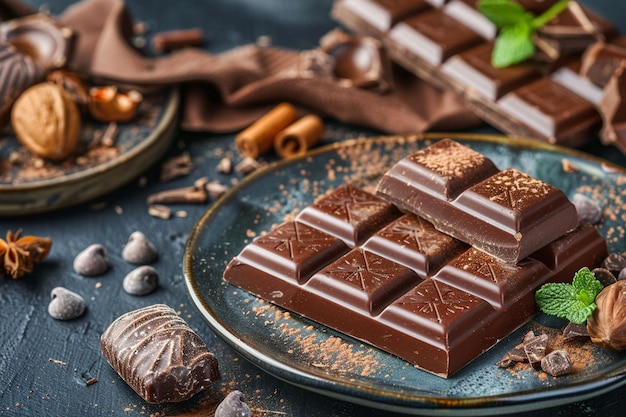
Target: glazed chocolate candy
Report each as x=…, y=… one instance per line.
x=408, y=289
x=158, y=355
x=449, y=44
x=507, y=214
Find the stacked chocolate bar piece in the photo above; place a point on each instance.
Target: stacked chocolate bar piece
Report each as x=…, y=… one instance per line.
x=437, y=267
x=449, y=43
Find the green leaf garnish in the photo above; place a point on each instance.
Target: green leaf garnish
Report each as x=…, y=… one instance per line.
x=514, y=43
x=574, y=302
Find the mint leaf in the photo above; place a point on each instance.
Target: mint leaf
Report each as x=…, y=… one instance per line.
x=503, y=12
x=514, y=45
x=574, y=302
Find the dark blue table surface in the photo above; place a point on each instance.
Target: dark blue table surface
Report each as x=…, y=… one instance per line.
x=44, y=364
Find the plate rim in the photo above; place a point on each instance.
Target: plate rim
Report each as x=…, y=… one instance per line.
x=144, y=153
x=405, y=403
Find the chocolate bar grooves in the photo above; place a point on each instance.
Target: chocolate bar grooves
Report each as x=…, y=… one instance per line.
x=353, y=262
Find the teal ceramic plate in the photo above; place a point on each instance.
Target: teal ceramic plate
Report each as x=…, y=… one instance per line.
x=26, y=188
x=317, y=358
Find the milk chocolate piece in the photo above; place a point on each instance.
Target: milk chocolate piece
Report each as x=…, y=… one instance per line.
x=473, y=70
x=40, y=37
x=551, y=111
x=600, y=61
x=433, y=36
x=379, y=16
x=158, y=355
x=17, y=73
x=506, y=214
x=448, y=44
x=349, y=213
x=390, y=291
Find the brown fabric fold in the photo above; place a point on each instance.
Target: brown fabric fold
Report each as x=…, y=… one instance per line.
x=225, y=92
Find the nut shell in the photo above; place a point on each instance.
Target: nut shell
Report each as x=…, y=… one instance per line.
x=607, y=324
x=46, y=120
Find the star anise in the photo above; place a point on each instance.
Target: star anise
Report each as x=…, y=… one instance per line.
x=18, y=255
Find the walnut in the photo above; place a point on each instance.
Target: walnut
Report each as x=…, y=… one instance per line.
x=47, y=121
x=607, y=324
x=108, y=104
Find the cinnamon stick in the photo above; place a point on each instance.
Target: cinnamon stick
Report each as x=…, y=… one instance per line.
x=177, y=39
x=299, y=137
x=259, y=136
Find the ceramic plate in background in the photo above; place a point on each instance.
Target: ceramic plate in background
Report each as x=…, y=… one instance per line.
x=140, y=143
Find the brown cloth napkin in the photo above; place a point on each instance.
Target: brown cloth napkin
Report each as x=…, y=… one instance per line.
x=225, y=92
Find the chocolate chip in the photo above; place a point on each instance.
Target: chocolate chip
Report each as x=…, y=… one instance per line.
x=605, y=276
x=139, y=250
x=614, y=263
x=622, y=274
x=232, y=406
x=556, y=363
x=92, y=261
x=588, y=210
x=141, y=281
x=65, y=304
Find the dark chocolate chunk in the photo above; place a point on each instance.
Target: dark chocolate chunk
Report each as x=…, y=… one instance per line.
x=507, y=214
x=535, y=348
x=158, y=355
x=557, y=363
x=613, y=108
x=575, y=331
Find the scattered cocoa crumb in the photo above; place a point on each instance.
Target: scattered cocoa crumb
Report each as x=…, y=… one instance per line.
x=176, y=167
x=568, y=166
x=160, y=211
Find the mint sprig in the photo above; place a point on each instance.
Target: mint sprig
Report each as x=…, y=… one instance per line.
x=516, y=26
x=574, y=302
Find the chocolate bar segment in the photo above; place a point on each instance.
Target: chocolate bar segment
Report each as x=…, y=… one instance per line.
x=507, y=214
x=349, y=213
x=417, y=293
x=158, y=355
x=551, y=111
x=382, y=15
x=413, y=242
x=449, y=45
x=293, y=251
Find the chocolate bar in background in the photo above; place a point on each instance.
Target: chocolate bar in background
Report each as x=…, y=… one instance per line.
x=449, y=43
x=507, y=214
x=408, y=289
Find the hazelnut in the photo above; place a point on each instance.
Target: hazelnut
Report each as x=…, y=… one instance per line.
x=73, y=83
x=108, y=104
x=47, y=121
x=607, y=325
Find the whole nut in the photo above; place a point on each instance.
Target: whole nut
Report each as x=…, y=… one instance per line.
x=607, y=325
x=46, y=120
